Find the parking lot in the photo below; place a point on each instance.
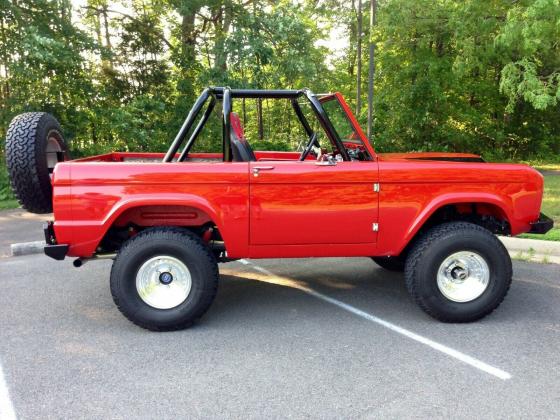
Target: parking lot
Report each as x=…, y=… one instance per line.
x=327, y=338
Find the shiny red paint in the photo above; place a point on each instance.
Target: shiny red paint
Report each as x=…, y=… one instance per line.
x=424, y=155
x=301, y=203
x=291, y=208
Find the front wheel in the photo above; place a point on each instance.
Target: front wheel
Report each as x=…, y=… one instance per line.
x=458, y=272
x=164, y=279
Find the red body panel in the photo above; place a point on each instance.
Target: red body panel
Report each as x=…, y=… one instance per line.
x=298, y=209
x=424, y=156
x=98, y=193
x=411, y=191
x=291, y=208
x=301, y=203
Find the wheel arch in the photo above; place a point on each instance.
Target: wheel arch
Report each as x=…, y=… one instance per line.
x=482, y=210
x=181, y=211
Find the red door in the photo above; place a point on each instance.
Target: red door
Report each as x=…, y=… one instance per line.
x=302, y=203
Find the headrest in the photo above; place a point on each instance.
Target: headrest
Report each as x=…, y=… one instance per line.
x=236, y=125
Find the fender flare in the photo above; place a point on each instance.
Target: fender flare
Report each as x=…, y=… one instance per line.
x=187, y=200
x=454, y=198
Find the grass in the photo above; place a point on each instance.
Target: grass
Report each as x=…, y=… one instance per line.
x=531, y=256
x=545, y=166
x=521, y=256
x=550, y=205
x=7, y=199
x=8, y=204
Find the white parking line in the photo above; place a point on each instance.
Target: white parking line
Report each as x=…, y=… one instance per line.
x=465, y=358
x=7, y=411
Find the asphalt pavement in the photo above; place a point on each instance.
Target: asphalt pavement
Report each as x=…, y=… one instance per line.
x=320, y=338
x=19, y=226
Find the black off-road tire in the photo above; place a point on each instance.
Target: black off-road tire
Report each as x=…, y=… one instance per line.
x=433, y=248
x=164, y=241
x=27, y=141
x=391, y=263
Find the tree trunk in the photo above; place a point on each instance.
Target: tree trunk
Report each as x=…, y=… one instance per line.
x=260, y=119
x=371, y=72
x=107, y=36
x=222, y=28
x=359, y=59
x=188, y=38
x=352, y=41
x=4, y=63
x=187, y=59
x=97, y=27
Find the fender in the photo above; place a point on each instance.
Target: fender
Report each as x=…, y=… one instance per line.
x=92, y=232
x=454, y=198
x=182, y=199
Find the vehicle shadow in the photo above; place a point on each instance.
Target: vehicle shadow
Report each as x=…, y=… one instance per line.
x=365, y=286
x=250, y=293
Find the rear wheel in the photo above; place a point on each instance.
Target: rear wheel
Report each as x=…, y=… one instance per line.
x=34, y=145
x=164, y=279
x=458, y=272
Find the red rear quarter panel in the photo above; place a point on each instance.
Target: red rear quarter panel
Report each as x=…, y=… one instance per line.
x=88, y=197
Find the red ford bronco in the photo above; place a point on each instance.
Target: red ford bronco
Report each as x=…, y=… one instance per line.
x=167, y=219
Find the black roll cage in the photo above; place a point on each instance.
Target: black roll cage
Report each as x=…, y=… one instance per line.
x=225, y=94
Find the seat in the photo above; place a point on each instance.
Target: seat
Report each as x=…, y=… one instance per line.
x=240, y=148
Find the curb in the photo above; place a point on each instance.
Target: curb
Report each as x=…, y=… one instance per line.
x=537, y=246
x=532, y=250
x=521, y=249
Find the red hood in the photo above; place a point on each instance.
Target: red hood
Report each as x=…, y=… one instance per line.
x=450, y=157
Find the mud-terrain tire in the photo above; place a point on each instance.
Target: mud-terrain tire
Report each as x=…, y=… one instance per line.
x=458, y=272
x=34, y=144
x=391, y=263
x=164, y=279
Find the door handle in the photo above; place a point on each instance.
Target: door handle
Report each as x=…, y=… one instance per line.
x=257, y=169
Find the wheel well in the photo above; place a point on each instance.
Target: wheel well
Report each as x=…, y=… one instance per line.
x=486, y=215
x=136, y=219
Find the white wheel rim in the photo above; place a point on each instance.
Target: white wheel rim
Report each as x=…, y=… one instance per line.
x=463, y=276
x=163, y=282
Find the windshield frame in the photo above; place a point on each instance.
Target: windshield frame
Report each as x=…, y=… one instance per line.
x=337, y=96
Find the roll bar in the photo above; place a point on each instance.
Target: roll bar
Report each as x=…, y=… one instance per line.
x=193, y=113
x=225, y=94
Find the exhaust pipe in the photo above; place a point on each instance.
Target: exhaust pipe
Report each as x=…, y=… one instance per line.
x=78, y=262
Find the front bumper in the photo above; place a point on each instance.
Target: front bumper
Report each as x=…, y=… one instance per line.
x=52, y=249
x=543, y=225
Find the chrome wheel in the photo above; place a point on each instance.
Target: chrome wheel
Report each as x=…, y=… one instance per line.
x=163, y=282
x=463, y=276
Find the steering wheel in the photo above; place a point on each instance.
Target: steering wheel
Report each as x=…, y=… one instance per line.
x=307, y=150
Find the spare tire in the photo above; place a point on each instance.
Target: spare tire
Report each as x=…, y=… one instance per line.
x=34, y=145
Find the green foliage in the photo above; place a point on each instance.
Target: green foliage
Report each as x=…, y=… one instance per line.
x=474, y=76
x=531, y=37
x=6, y=194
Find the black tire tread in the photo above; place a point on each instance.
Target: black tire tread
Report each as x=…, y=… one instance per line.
x=169, y=233
x=436, y=234
x=21, y=162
